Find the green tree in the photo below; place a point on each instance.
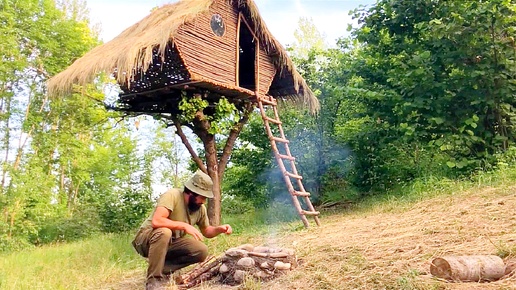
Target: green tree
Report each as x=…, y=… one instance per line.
x=66, y=163
x=36, y=42
x=439, y=76
x=218, y=129
x=323, y=155
x=166, y=155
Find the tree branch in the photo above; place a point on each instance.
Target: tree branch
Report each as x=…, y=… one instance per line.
x=195, y=157
x=233, y=135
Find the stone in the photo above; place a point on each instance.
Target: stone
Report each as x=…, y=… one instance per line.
x=239, y=276
x=281, y=266
x=278, y=255
x=223, y=268
x=261, y=249
x=233, y=252
x=246, y=247
x=246, y=262
x=261, y=275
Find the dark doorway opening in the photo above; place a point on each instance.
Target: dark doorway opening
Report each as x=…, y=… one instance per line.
x=246, y=57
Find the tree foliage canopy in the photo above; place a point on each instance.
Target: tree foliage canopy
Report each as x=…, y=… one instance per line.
x=421, y=88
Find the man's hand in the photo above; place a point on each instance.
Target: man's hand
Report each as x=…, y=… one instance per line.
x=225, y=229
x=160, y=220
x=212, y=231
x=193, y=232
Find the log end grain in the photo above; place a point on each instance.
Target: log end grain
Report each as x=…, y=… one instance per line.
x=441, y=268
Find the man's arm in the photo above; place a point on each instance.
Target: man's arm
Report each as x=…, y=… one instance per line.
x=211, y=231
x=160, y=220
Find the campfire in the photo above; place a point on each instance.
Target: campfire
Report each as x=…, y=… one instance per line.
x=236, y=264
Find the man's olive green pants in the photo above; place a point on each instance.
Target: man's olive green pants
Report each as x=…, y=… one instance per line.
x=166, y=254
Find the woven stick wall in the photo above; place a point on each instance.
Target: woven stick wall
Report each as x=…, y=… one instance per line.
x=216, y=57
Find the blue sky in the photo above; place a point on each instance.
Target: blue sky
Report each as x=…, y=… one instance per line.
x=281, y=16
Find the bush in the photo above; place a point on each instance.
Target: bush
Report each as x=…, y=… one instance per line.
x=232, y=204
x=124, y=212
x=278, y=211
x=383, y=161
x=8, y=244
x=84, y=222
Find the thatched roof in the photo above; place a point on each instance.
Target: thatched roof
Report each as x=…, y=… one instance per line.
x=132, y=50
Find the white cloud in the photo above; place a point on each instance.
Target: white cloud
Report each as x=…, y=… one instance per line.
x=299, y=8
x=115, y=16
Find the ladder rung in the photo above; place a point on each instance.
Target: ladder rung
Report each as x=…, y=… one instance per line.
x=273, y=120
x=311, y=213
x=268, y=102
x=301, y=193
x=293, y=175
x=291, y=158
x=278, y=139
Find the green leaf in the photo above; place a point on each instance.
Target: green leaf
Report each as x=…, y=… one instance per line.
x=438, y=121
x=450, y=164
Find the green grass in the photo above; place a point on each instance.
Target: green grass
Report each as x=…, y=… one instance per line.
x=430, y=187
x=98, y=262
x=78, y=265
x=103, y=260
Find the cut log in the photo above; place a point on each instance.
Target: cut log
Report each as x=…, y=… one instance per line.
x=468, y=268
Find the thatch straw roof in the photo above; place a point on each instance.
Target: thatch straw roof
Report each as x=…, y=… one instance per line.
x=133, y=48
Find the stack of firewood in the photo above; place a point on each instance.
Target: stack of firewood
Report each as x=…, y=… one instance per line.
x=236, y=264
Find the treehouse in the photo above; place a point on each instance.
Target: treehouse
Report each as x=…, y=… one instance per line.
x=209, y=49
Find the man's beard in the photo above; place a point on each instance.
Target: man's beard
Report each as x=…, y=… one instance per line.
x=192, y=206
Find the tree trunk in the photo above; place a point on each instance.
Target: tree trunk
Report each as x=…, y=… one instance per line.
x=7, y=144
x=214, y=167
x=214, y=204
x=201, y=129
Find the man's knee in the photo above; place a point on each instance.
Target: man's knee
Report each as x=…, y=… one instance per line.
x=200, y=251
x=204, y=252
x=160, y=235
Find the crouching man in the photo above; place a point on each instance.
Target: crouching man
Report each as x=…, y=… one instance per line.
x=162, y=238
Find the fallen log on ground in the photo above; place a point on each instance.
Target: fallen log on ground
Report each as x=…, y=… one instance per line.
x=468, y=268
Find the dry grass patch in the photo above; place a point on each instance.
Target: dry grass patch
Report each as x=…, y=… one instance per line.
x=391, y=248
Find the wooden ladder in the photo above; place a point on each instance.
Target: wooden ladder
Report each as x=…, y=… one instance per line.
x=291, y=177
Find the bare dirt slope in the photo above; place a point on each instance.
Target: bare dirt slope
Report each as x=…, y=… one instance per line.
x=391, y=247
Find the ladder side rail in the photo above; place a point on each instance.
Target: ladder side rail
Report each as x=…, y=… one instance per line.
x=288, y=153
x=294, y=168
x=288, y=156
x=287, y=179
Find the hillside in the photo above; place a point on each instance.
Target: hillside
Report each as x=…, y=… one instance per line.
x=390, y=247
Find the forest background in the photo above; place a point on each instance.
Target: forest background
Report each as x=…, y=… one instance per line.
x=421, y=90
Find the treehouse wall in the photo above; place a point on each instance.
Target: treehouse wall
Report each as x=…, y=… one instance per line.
x=215, y=58
x=266, y=72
